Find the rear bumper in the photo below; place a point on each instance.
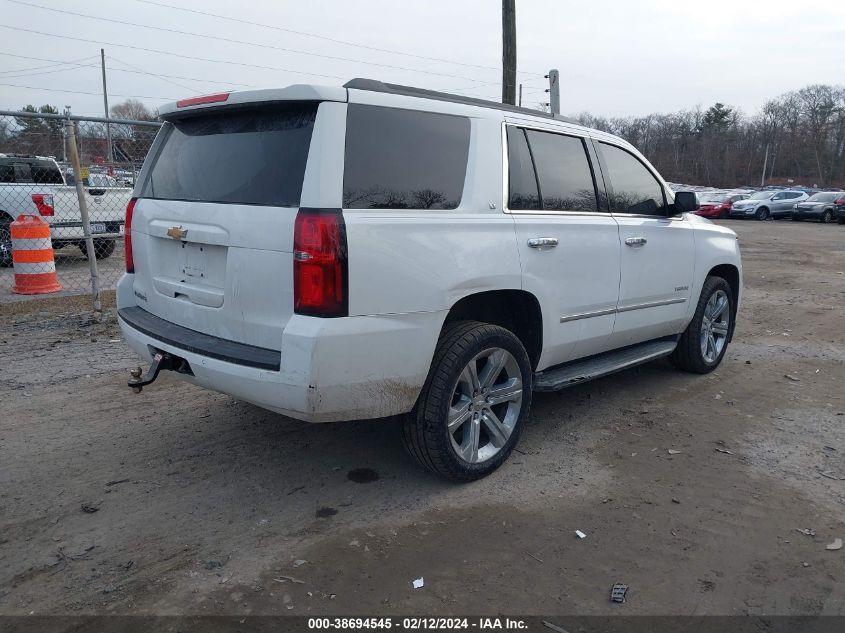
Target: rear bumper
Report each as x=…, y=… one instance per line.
x=329, y=369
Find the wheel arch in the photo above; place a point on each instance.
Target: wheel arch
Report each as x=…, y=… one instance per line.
x=730, y=273
x=515, y=310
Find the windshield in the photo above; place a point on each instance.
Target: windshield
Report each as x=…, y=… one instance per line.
x=824, y=197
x=762, y=195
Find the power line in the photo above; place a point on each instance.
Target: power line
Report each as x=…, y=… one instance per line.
x=139, y=71
x=79, y=92
x=171, y=53
x=50, y=72
x=57, y=63
x=322, y=37
x=234, y=41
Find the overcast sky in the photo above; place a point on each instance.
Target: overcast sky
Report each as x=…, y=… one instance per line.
x=616, y=58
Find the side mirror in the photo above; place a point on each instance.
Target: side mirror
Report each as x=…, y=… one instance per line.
x=685, y=201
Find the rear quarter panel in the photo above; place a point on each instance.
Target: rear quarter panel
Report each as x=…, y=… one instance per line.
x=404, y=260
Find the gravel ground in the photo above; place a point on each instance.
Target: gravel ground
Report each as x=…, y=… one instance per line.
x=183, y=501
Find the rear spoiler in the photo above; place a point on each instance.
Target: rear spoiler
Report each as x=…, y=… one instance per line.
x=297, y=92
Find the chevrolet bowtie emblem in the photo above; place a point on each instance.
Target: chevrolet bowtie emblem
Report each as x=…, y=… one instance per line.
x=177, y=232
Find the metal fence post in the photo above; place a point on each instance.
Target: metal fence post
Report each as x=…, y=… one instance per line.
x=83, y=209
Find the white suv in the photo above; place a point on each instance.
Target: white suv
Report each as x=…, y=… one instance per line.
x=373, y=250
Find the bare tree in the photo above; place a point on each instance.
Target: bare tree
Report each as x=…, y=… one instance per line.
x=134, y=110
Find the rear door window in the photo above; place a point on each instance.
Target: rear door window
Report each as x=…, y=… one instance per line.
x=251, y=156
x=404, y=159
x=524, y=193
x=563, y=172
x=635, y=189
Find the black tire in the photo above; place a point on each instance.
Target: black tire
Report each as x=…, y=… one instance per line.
x=102, y=248
x=827, y=217
x=425, y=430
x=840, y=220
x=762, y=214
x=5, y=241
x=688, y=355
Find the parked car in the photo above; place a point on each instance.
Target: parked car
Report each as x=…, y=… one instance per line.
x=336, y=253
x=717, y=204
x=820, y=206
x=35, y=185
x=767, y=204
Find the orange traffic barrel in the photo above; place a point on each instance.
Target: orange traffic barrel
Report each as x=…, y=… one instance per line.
x=32, y=257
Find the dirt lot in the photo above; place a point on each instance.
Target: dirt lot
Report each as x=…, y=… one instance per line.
x=205, y=504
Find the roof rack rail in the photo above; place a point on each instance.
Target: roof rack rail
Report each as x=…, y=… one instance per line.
x=373, y=85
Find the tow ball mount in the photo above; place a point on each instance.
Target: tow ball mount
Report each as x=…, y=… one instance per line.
x=162, y=361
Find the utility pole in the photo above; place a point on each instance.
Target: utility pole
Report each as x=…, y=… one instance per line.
x=554, y=90
x=86, y=222
x=520, y=95
x=509, y=52
x=64, y=134
x=765, y=164
x=110, y=155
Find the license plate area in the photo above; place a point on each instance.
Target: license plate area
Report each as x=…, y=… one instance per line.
x=98, y=227
x=194, y=262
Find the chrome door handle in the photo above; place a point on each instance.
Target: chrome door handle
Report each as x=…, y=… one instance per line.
x=636, y=241
x=542, y=242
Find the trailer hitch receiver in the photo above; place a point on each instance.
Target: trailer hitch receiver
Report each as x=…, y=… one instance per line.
x=162, y=361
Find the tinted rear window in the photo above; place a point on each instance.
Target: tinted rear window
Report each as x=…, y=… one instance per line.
x=29, y=170
x=254, y=156
x=566, y=180
x=404, y=159
x=524, y=192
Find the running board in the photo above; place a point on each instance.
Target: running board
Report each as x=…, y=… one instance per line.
x=578, y=371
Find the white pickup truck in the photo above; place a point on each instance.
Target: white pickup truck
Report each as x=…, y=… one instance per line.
x=374, y=250
x=35, y=185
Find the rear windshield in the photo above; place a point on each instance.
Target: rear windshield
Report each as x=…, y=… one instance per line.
x=254, y=156
x=29, y=170
x=404, y=159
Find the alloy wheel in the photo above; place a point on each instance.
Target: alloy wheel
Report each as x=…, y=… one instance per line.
x=485, y=405
x=5, y=245
x=715, y=324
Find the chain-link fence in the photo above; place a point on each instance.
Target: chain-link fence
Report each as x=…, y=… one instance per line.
x=46, y=254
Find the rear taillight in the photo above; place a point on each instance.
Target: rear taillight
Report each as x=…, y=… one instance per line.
x=320, y=285
x=840, y=202
x=44, y=204
x=127, y=237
